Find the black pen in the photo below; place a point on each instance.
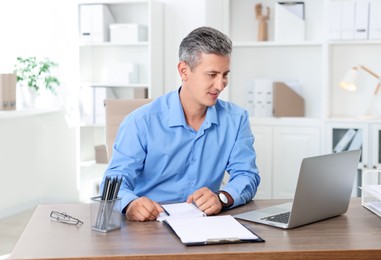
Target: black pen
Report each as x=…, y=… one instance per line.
x=166, y=212
x=118, y=183
x=105, y=185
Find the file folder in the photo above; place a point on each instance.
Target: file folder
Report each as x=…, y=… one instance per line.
x=286, y=102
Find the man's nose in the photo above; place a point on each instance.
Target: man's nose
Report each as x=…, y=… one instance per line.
x=221, y=83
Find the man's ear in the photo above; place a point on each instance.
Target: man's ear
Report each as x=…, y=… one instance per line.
x=183, y=69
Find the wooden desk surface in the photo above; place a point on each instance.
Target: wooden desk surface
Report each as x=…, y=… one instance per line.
x=356, y=234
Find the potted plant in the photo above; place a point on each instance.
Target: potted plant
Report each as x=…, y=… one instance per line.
x=36, y=75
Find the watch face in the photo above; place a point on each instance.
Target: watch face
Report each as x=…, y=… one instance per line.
x=223, y=198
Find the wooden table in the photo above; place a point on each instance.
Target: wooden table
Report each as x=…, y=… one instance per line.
x=356, y=234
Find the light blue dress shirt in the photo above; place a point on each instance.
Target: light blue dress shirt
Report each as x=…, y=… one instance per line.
x=164, y=159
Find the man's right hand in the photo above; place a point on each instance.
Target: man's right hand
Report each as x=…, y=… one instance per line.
x=143, y=209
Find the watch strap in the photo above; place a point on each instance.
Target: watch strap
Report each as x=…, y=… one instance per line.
x=230, y=199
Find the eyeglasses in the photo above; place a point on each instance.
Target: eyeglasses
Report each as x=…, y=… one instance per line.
x=65, y=218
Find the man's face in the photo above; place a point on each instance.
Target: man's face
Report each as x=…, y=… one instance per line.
x=208, y=79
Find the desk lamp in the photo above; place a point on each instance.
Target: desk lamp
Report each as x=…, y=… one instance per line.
x=351, y=81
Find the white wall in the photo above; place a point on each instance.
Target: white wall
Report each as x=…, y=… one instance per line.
x=37, y=161
x=180, y=17
x=38, y=154
x=43, y=162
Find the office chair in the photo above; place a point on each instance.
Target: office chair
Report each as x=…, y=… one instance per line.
x=116, y=111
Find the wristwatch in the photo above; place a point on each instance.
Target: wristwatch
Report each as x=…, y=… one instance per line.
x=224, y=199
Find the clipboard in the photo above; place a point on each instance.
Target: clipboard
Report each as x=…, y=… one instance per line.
x=211, y=230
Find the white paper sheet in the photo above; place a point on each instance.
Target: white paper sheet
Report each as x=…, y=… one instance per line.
x=180, y=210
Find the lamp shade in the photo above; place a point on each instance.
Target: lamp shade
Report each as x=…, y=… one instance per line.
x=349, y=82
x=352, y=80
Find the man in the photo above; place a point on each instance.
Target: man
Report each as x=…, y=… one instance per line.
x=178, y=147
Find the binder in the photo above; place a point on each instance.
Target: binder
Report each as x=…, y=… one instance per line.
x=85, y=21
x=344, y=141
x=361, y=20
x=94, y=23
x=12, y=81
x=375, y=20
x=7, y=91
x=3, y=102
x=357, y=141
x=348, y=20
x=263, y=98
x=3, y=92
x=334, y=19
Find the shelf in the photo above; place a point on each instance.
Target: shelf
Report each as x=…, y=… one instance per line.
x=277, y=44
x=352, y=120
x=111, y=1
x=99, y=125
x=10, y=114
x=114, y=44
x=92, y=163
x=354, y=42
x=281, y=121
x=112, y=85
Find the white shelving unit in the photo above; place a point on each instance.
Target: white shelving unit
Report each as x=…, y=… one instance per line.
x=318, y=64
x=100, y=62
x=99, y=59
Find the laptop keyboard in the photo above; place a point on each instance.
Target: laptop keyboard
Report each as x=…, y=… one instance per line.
x=280, y=218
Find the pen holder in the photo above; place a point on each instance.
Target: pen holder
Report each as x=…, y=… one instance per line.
x=105, y=215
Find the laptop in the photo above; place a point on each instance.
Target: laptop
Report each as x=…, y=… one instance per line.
x=323, y=191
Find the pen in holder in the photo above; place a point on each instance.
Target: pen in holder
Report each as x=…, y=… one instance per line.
x=106, y=209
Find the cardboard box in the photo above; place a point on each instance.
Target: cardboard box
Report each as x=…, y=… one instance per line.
x=127, y=33
x=101, y=154
x=116, y=111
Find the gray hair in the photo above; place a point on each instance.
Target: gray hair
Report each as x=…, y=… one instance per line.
x=205, y=40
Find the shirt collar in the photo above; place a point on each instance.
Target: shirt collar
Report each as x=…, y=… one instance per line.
x=176, y=112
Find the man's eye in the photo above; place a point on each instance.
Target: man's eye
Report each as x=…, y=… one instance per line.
x=212, y=75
